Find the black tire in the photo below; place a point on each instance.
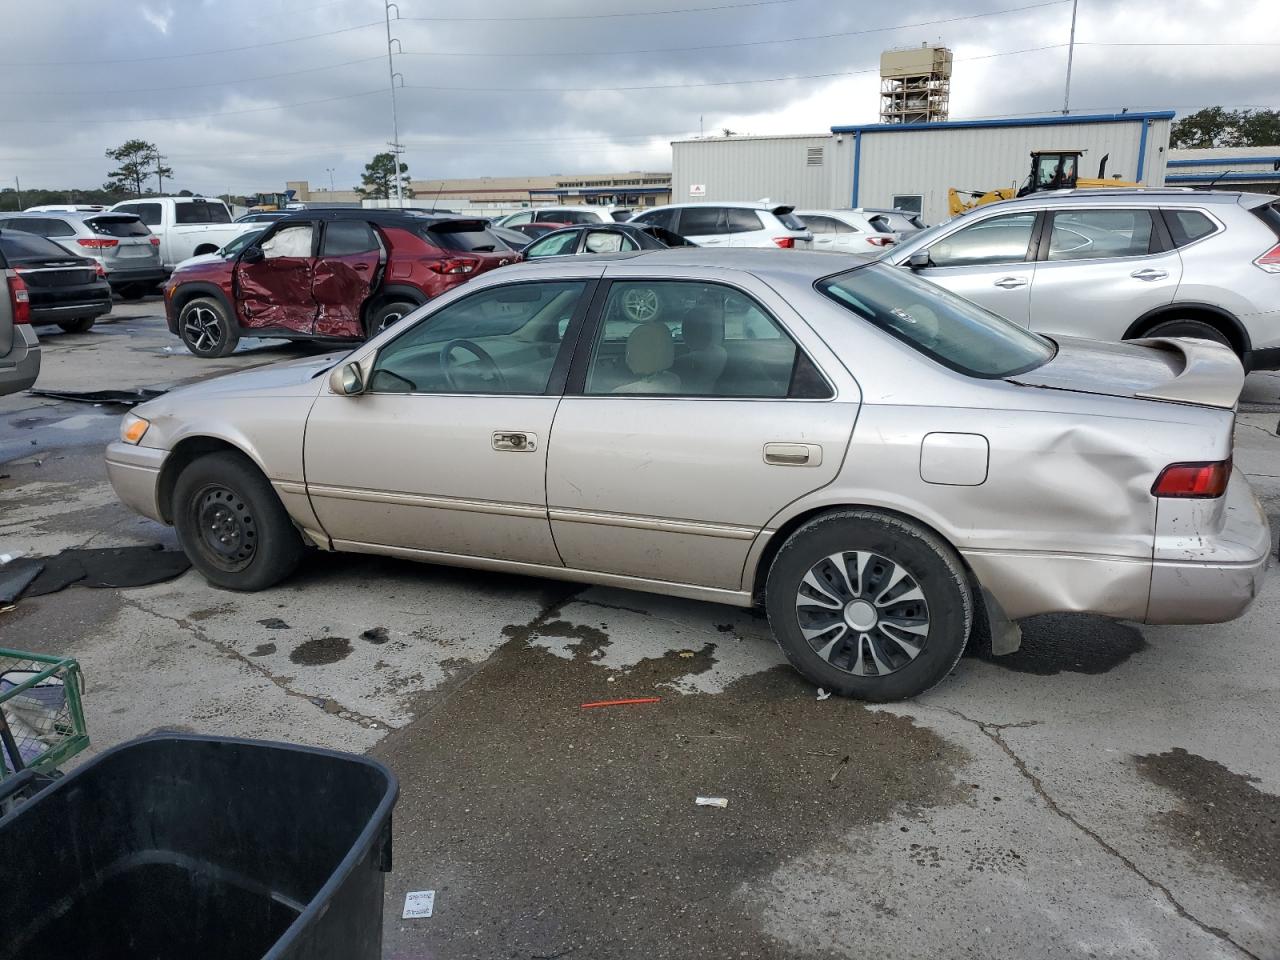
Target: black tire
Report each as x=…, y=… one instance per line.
x=206, y=327
x=132, y=291
x=255, y=545
x=78, y=325
x=887, y=542
x=387, y=315
x=1189, y=328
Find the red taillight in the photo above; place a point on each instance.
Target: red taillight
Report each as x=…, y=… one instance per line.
x=155, y=241
x=101, y=271
x=1270, y=261
x=786, y=243
x=1203, y=480
x=19, y=300
x=880, y=241
x=453, y=265
x=98, y=243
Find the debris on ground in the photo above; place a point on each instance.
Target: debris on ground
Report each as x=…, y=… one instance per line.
x=418, y=904
x=275, y=623
x=629, y=701
x=686, y=654
x=16, y=577
x=836, y=772
x=824, y=694
x=376, y=635
x=97, y=567
x=123, y=398
x=720, y=802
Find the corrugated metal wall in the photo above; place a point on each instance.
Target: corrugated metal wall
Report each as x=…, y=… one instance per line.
x=752, y=168
x=928, y=162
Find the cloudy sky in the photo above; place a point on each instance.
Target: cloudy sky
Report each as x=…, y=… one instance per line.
x=242, y=95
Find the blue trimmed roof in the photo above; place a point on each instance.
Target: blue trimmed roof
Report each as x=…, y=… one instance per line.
x=1257, y=177
x=1223, y=162
x=1008, y=122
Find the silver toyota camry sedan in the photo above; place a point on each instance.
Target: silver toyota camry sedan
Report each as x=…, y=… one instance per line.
x=885, y=467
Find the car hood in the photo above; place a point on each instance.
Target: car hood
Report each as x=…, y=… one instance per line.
x=287, y=378
x=1175, y=369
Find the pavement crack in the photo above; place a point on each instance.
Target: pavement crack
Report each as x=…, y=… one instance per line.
x=326, y=704
x=994, y=731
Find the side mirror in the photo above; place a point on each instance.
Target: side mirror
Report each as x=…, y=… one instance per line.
x=252, y=255
x=919, y=260
x=347, y=380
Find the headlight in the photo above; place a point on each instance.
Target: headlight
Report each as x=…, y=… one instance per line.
x=132, y=429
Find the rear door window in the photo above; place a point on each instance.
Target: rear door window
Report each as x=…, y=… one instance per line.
x=1187, y=226
x=738, y=220
x=57, y=227
x=702, y=221
x=1100, y=234
x=1003, y=239
x=117, y=226
x=200, y=211
x=150, y=213
x=659, y=218
x=344, y=238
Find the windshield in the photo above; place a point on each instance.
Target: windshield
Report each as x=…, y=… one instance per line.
x=240, y=242
x=953, y=331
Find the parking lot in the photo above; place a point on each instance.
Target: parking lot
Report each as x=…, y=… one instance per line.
x=1100, y=793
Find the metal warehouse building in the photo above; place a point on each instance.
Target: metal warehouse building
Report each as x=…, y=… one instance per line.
x=1254, y=169
x=912, y=165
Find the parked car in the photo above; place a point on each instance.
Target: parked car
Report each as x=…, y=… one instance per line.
x=536, y=229
x=563, y=215
x=67, y=208
x=19, y=346
x=879, y=463
x=186, y=226
x=127, y=251
x=336, y=274
x=263, y=216
x=1118, y=265
x=62, y=287
x=730, y=224
x=902, y=222
x=231, y=249
x=601, y=238
x=847, y=231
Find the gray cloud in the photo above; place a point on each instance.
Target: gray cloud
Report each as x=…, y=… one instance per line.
x=81, y=76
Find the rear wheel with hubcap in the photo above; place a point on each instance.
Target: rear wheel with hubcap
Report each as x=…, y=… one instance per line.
x=205, y=326
x=389, y=314
x=232, y=525
x=869, y=605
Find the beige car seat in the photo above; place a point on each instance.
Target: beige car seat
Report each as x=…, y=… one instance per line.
x=650, y=354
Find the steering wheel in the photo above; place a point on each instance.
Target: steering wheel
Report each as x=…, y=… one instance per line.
x=491, y=374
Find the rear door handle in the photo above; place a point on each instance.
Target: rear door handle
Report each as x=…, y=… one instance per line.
x=793, y=454
x=1011, y=283
x=514, y=442
x=1149, y=274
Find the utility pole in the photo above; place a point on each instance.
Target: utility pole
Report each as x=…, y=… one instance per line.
x=19, y=187
x=395, y=120
x=329, y=170
x=1071, y=49
x=160, y=173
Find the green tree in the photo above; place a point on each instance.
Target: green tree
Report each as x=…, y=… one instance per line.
x=138, y=160
x=1220, y=127
x=379, y=179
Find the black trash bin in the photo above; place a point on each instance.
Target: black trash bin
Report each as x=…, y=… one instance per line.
x=200, y=848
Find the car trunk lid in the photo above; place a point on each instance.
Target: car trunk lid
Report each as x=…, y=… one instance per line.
x=1172, y=369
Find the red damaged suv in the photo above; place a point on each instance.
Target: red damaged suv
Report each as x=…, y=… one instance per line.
x=327, y=275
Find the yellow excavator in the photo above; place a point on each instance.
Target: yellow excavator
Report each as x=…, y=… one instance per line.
x=1050, y=170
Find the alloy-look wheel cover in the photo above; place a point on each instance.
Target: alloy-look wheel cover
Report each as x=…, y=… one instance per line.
x=862, y=613
x=641, y=304
x=203, y=328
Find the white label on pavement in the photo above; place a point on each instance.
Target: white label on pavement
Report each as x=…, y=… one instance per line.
x=418, y=904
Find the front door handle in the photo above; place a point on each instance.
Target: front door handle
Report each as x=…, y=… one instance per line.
x=793, y=454
x=509, y=441
x=1011, y=283
x=1149, y=274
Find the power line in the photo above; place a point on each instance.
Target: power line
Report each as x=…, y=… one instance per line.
x=727, y=46
x=606, y=16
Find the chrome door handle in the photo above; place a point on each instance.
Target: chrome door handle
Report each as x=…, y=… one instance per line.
x=1149, y=274
x=514, y=442
x=1011, y=283
x=793, y=454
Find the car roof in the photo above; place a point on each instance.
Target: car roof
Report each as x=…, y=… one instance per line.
x=69, y=214
x=1119, y=196
x=387, y=215
x=796, y=266
x=738, y=204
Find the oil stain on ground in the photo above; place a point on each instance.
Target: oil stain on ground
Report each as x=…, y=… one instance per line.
x=1220, y=816
x=321, y=650
x=550, y=830
x=1072, y=643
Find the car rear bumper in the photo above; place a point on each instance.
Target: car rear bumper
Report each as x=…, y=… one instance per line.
x=134, y=473
x=53, y=305
x=153, y=273
x=1211, y=557
x=21, y=365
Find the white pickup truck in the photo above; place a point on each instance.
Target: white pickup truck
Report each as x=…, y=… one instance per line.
x=186, y=226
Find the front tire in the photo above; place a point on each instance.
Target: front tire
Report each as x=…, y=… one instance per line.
x=232, y=525
x=869, y=605
x=206, y=327
x=78, y=325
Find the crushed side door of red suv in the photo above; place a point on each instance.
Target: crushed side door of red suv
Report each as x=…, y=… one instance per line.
x=276, y=290
x=346, y=272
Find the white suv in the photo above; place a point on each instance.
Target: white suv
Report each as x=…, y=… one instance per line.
x=731, y=224
x=570, y=216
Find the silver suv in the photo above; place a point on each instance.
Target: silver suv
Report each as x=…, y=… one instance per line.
x=128, y=252
x=1118, y=264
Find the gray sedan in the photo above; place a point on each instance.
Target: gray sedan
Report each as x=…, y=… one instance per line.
x=883, y=466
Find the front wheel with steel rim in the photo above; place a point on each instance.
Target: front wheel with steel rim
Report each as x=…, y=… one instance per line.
x=206, y=327
x=232, y=525
x=869, y=605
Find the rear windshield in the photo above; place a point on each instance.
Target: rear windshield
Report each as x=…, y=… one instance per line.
x=200, y=211
x=464, y=237
x=20, y=247
x=1269, y=213
x=117, y=226
x=790, y=221
x=955, y=332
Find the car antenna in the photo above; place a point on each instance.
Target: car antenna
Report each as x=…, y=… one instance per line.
x=1215, y=180
x=436, y=198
